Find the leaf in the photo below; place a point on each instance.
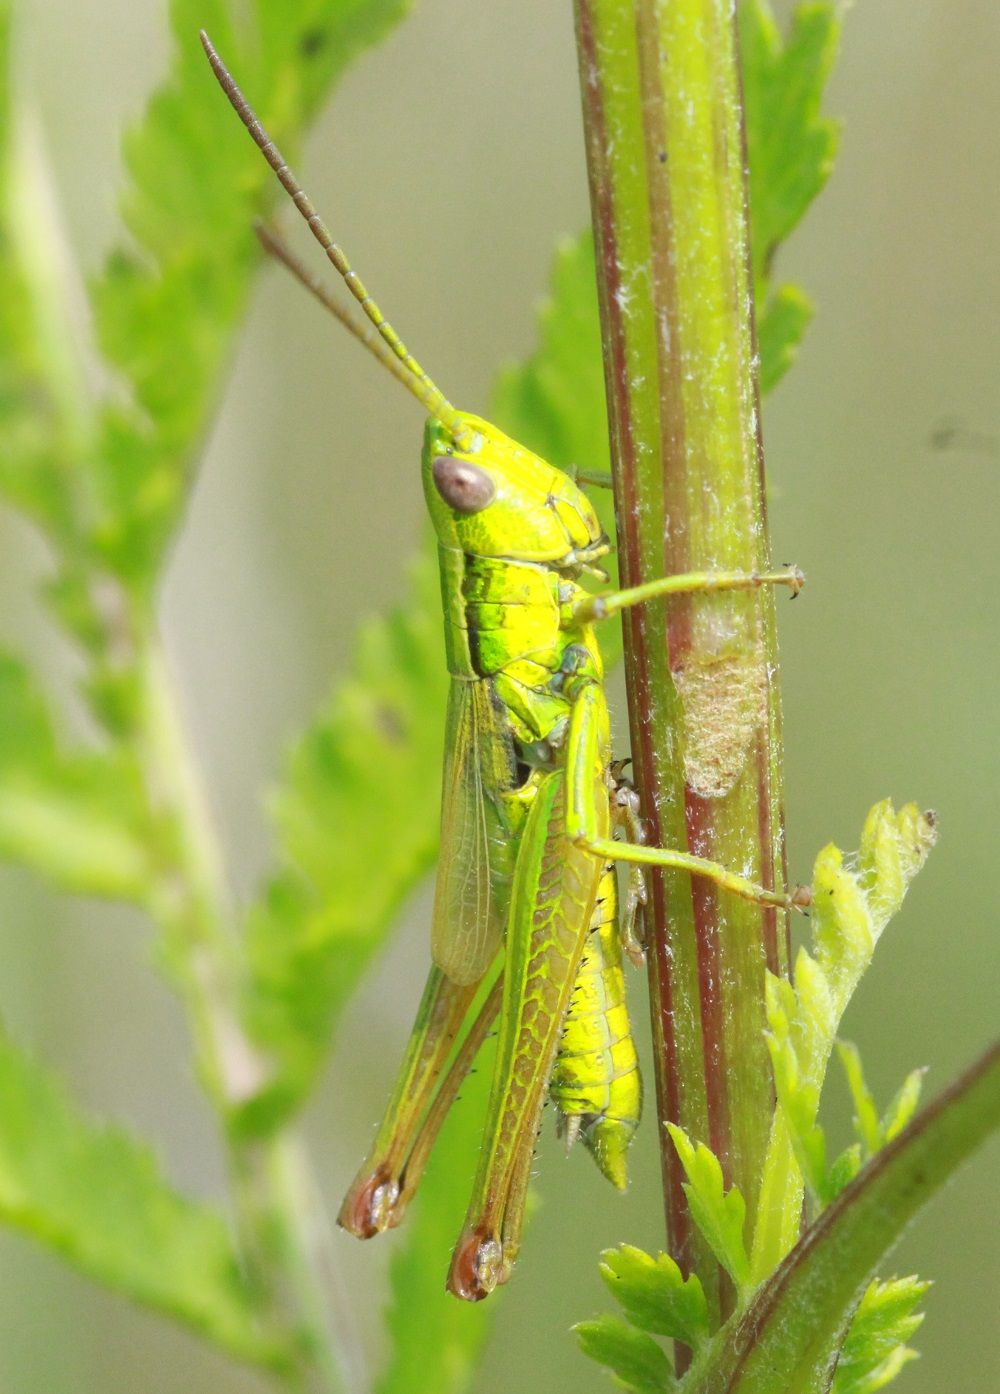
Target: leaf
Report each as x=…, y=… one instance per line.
x=781, y=326
x=107, y=481
x=633, y=1358
x=876, y=1346
x=718, y=1213
x=97, y=1197
x=167, y=303
x=435, y=1341
x=786, y=1333
x=903, y=1106
x=791, y=149
x=866, y=1119
x=46, y=425
x=798, y=1098
x=873, y=1132
x=358, y=823
x=883, y=1374
x=79, y=818
x=842, y=1171
x=654, y=1294
x=851, y=907
x=554, y=401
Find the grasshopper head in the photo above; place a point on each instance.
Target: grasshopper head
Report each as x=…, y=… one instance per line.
x=498, y=499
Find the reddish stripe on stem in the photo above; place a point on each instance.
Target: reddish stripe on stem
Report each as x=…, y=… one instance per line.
x=636, y=620
x=677, y=559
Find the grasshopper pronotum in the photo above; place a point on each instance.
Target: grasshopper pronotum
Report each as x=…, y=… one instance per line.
x=525, y=907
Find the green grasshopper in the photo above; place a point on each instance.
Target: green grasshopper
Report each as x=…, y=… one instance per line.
x=525, y=920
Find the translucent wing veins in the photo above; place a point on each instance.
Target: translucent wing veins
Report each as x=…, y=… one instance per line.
x=473, y=882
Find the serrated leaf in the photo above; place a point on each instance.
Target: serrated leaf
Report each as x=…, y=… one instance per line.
x=791, y=147
x=798, y=1100
x=655, y=1295
x=554, y=401
x=876, y=1346
x=107, y=481
x=793, y=143
x=633, y=1358
x=852, y=908
x=883, y=1374
x=46, y=425
x=358, y=824
x=167, y=303
x=718, y=1213
x=80, y=817
x=97, y=1197
x=435, y=1341
x=852, y=903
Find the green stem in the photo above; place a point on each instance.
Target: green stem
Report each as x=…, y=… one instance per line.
x=282, y=1234
x=663, y=120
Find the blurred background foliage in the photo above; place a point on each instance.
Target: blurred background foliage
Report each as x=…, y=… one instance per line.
x=450, y=162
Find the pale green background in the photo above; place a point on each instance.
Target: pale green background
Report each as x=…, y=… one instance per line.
x=450, y=162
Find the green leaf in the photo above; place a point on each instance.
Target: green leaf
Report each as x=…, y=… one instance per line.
x=866, y=1119
x=554, y=401
x=781, y=326
x=791, y=151
x=876, y=1346
x=633, y=1358
x=718, y=1213
x=852, y=904
x=873, y=1131
x=655, y=1295
x=883, y=1374
x=842, y=1171
x=97, y=1197
x=798, y=1098
x=435, y=1341
x=784, y=1338
x=167, y=303
x=80, y=817
x=107, y=482
x=351, y=854
x=46, y=423
x=903, y=1106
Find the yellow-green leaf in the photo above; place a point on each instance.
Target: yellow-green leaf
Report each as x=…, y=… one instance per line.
x=97, y=1197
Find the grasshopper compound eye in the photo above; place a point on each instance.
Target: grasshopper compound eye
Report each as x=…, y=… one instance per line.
x=465, y=488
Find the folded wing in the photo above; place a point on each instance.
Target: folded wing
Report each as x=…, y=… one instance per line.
x=477, y=856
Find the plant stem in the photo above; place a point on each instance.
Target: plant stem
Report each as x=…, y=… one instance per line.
x=282, y=1236
x=665, y=153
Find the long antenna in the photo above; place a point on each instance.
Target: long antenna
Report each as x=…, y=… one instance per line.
x=416, y=380
x=275, y=245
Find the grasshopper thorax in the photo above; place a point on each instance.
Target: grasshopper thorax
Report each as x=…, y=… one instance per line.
x=496, y=498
